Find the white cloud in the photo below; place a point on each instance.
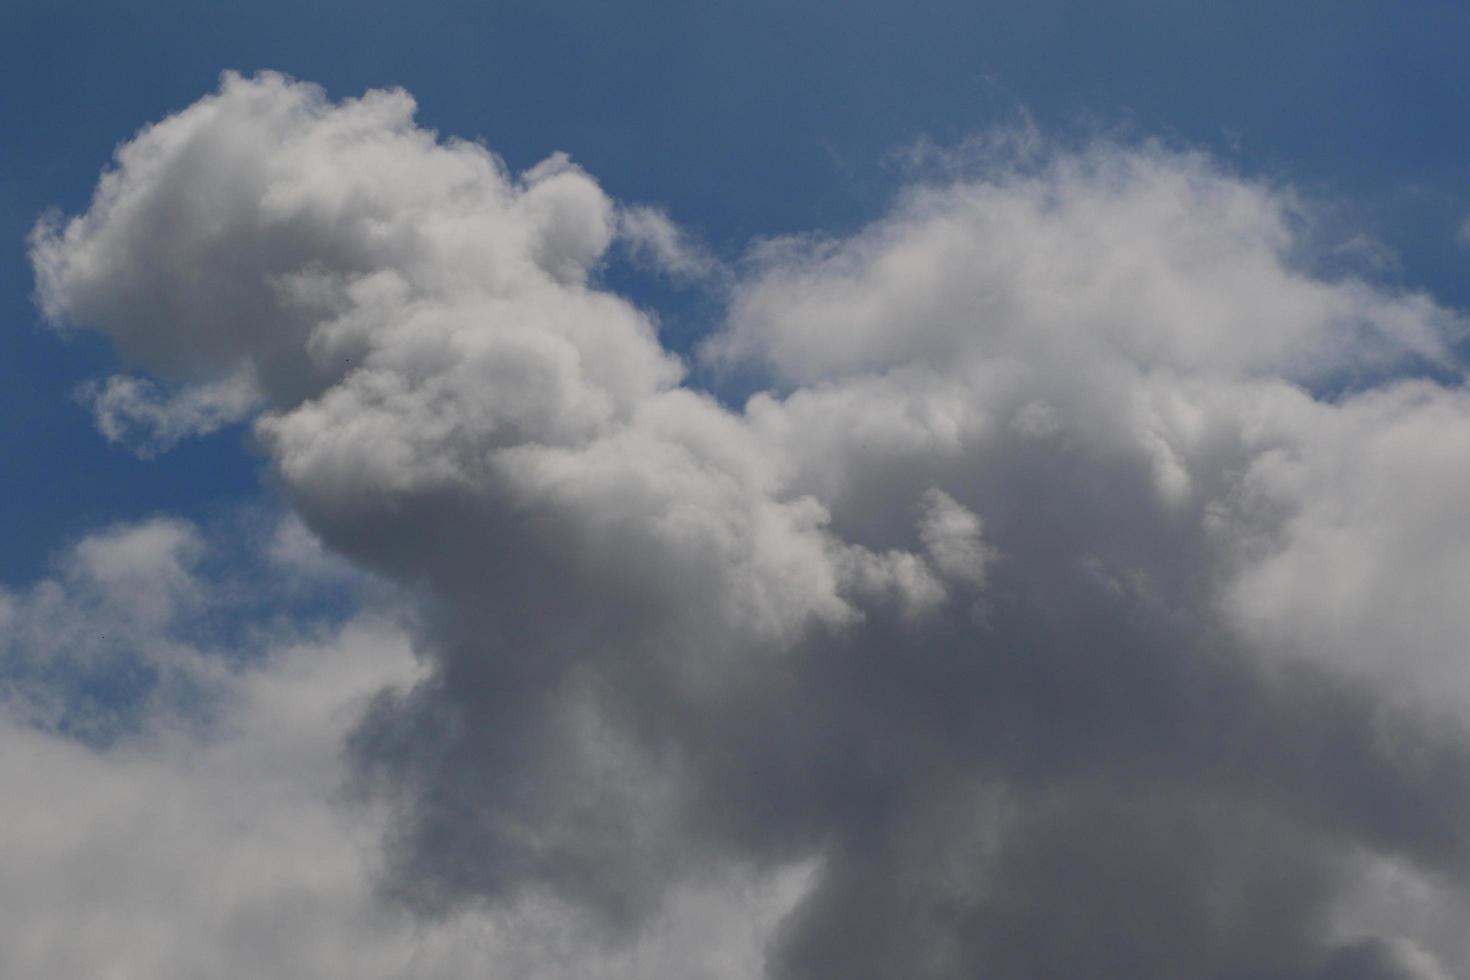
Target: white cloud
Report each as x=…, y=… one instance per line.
x=664, y=638
x=1350, y=538
x=1141, y=254
x=133, y=411
x=653, y=238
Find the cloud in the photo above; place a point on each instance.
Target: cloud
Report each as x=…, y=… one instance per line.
x=1041, y=611
x=653, y=238
x=81, y=648
x=1152, y=256
x=132, y=411
x=213, y=841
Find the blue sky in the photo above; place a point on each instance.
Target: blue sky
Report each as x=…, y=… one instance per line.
x=742, y=120
x=921, y=489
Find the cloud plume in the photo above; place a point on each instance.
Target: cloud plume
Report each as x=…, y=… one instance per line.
x=1080, y=595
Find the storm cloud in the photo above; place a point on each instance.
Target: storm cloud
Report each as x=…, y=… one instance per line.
x=1080, y=594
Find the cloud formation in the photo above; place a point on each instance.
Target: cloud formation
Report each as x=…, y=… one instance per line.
x=191, y=823
x=1067, y=604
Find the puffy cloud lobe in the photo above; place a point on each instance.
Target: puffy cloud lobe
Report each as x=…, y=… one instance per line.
x=267, y=229
x=212, y=844
x=1143, y=254
x=1017, y=606
x=78, y=649
x=1372, y=539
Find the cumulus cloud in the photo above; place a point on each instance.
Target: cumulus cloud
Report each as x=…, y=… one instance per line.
x=213, y=841
x=1058, y=610
x=1158, y=258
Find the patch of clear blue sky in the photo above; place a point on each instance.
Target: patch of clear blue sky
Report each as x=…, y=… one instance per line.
x=742, y=117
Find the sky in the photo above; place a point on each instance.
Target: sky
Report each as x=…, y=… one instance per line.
x=734, y=491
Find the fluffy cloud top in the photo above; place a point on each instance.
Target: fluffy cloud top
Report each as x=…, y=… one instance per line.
x=1155, y=257
x=1044, y=610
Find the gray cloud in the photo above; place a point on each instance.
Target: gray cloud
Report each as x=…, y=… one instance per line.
x=193, y=825
x=1043, y=609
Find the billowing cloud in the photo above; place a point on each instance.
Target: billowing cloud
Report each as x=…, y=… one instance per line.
x=148, y=834
x=1080, y=597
